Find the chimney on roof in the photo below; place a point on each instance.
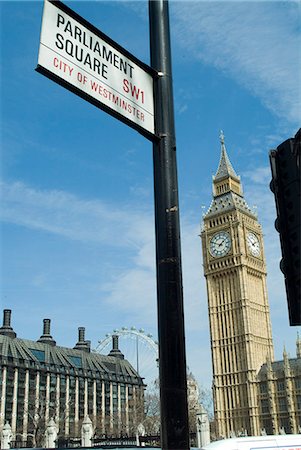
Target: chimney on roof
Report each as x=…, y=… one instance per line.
x=82, y=344
x=115, y=349
x=298, y=345
x=46, y=337
x=6, y=328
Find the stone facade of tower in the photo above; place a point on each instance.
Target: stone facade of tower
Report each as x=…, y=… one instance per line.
x=240, y=328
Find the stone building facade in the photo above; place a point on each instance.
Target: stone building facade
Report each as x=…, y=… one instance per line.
x=239, y=317
x=279, y=394
x=41, y=380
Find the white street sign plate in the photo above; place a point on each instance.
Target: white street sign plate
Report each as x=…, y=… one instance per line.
x=81, y=58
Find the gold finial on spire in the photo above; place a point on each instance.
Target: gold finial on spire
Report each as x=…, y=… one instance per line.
x=222, y=137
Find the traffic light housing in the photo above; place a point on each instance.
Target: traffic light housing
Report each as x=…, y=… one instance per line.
x=285, y=184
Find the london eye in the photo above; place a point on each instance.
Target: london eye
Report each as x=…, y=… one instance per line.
x=138, y=347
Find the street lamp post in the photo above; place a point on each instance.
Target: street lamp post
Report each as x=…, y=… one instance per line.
x=172, y=357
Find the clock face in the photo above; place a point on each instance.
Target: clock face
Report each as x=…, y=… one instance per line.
x=220, y=244
x=253, y=244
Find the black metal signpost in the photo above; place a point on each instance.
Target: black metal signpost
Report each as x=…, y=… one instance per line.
x=172, y=358
x=81, y=58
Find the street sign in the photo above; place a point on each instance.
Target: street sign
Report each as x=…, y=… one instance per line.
x=81, y=58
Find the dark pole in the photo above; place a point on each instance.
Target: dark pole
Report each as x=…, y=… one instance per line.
x=172, y=357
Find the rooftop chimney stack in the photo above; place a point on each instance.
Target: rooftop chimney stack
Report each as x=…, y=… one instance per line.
x=115, y=342
x=82, y=344
x=6, y=317
x=298, y=345
x=81, y=334
x=6, y=329
x=46, y=326
x=46, y=337
x=115, y=350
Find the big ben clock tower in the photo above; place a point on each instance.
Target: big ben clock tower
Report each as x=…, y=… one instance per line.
x=240, y=328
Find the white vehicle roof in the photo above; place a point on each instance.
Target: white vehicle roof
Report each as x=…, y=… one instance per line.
x=285, y=442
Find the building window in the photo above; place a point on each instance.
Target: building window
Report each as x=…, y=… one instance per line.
x=122, y=395
x=264, y=406
x=299, y=402
x=298, y=383
x=263, y=388
x=280, y=385
x=77, y=361
x=107, y=398
x=90, y=396
x=282, y=404
x=284, y=423
x=267, y=425
x=39, y=354
x=81, y=396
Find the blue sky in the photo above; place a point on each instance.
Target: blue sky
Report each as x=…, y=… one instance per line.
x=77, y=235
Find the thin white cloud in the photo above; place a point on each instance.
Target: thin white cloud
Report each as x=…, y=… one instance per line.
x=133, y=292
x=260, y=175
x=133, y=288
x=66, y=215
x=256, y=43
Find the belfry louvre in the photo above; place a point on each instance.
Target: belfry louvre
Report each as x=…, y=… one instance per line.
x=41, y=381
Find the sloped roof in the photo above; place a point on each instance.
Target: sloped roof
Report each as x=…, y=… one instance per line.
x=278, y=367
x=228, y=202
x=225, y=168
x=33, y=353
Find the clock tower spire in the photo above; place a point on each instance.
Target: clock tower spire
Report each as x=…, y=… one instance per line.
x=240, y=328
x=225, y=179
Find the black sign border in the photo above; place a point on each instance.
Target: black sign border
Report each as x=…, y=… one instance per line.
x=84, y=95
